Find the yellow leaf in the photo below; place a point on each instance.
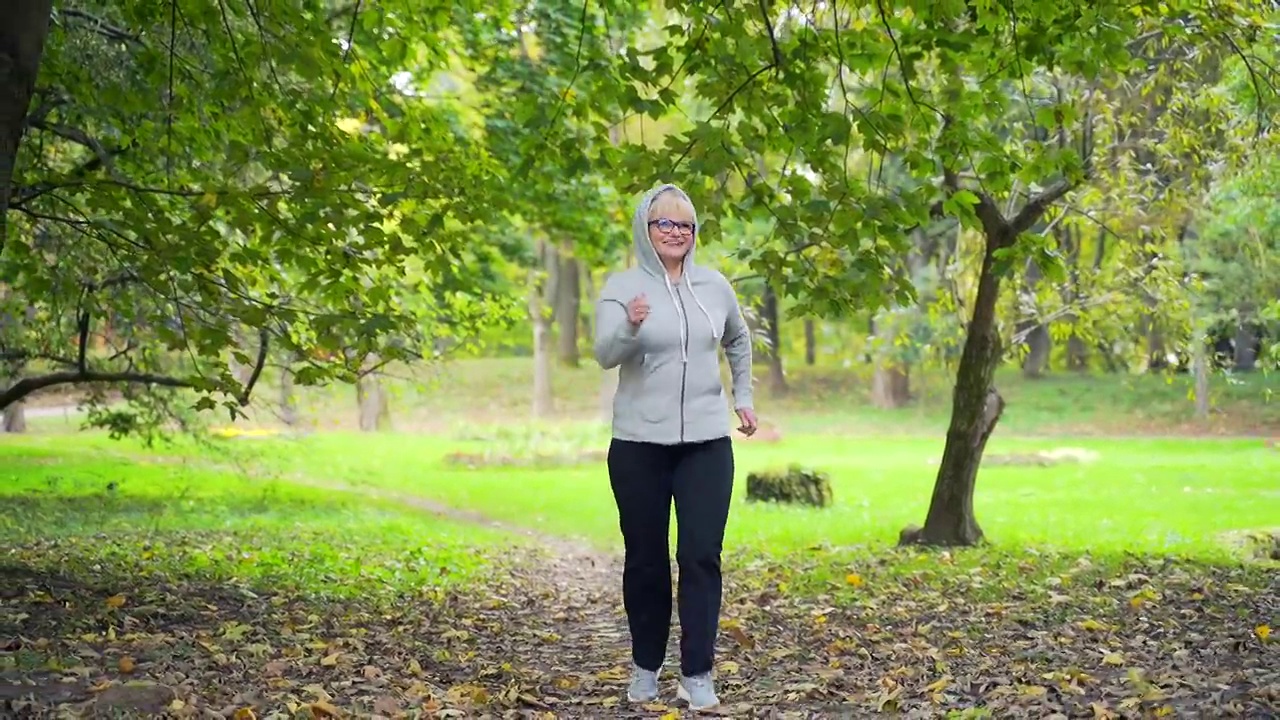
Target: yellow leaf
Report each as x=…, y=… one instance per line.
x=244, y=713
x=116, y=600
x=321, y=708
x=1263, y=632
x=176, y=705
x=616, y=672
x=126, y=664
x=1115, y=659
x=729, y=667
x=330, y=660
x=853, y=579
x=350, y=125
x=1093, y=625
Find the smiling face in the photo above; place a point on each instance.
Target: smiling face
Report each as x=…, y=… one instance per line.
x=671, y=228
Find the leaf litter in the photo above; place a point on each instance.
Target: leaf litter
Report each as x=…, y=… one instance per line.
x=916, y=634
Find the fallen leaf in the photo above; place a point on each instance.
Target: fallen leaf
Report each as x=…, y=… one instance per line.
x=853, y=579
x=126, y=664
x=244, y=713
x=323, y=708
x=1263, y=632
x=116, y=601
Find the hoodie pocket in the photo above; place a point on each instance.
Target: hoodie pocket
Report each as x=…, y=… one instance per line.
x=659, y=399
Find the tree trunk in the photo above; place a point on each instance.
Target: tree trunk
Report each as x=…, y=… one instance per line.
x=769, y=317
x=542, y=397
x=14, y=419
x=1077, y=354
x=568, y=301
x=1246, y=348
x=810, y=343
x=890, y=385
x=1157, y=353
x=1200, y=367
x=976, y=408
x=288, y=402
x=1039, y=346
x=22, y=36
x=540, y=320
x=375, y=413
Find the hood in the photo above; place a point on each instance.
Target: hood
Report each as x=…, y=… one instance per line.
x=646, y=255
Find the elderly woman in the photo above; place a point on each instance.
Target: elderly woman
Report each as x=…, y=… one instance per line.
x=663, y=323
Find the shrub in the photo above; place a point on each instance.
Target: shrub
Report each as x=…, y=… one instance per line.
x=797, y=485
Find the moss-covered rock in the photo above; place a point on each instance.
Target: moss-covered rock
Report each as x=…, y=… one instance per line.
x=796, y=485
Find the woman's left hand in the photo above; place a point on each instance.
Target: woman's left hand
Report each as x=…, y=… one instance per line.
x=749, y=425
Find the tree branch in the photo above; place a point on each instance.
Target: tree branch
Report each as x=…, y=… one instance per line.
x=264, y=344
x=773, y=40
x=26, y=386
x=100, y=26
x=1035, y=207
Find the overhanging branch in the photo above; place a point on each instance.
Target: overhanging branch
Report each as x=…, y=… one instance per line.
x=27, y=386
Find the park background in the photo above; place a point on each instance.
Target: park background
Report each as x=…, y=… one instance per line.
x=301, y=418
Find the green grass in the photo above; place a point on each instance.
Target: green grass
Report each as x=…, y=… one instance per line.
x=1168, y=496
x=69, y=509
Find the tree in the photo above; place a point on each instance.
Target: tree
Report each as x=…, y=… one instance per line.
x=195, y=174
x=947, y=90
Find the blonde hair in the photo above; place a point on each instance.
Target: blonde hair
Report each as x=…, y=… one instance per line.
x=669, y=200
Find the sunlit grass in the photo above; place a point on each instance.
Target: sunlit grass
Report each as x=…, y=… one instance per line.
x=164, y=519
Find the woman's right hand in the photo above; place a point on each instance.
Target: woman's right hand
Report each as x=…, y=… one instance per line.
x=637, y=310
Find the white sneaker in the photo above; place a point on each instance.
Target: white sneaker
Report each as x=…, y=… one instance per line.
x=644, y=685
x=699, y=691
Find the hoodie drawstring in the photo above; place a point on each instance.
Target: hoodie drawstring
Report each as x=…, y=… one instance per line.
x=672, y=290
x=715, y=331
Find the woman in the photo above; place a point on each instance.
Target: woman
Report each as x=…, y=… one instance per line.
x=662, y=324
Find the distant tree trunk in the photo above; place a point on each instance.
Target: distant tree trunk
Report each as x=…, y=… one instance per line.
x=769, y=318
x=976, y=405
x=375, y=411
x=1039, y=347
x=14, y=419
x=1039, y=344
x=540, y=320
x=588, y=291
x=1157, y=352
x=1200, y=367
x=288, y=403
x=22, y=36
x=1246, y=348
x=1077, y=354
x=890, y=379
x=810, y=343
x=890, y=385
x=568, y=300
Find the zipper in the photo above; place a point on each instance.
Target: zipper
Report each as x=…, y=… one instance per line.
x=684, y=356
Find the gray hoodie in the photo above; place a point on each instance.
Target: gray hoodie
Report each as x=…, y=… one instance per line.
x=669, y=388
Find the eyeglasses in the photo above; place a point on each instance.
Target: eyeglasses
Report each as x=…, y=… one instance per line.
x=669, y=226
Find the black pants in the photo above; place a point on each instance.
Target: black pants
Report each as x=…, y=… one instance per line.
x=645, y=478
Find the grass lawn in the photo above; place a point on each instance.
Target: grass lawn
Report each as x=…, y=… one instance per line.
x=146, y=519
x=1174, y=496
